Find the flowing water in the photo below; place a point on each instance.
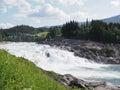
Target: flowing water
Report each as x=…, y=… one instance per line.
x=63, y=62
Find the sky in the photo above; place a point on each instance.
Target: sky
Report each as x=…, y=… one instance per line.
x=39, y=13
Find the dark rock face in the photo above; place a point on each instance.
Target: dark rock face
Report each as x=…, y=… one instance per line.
x=106, y=86
x=97, y=52
x=71, y=81
x=47, y=54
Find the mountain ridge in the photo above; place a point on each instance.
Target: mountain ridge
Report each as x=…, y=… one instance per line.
x=113, y=19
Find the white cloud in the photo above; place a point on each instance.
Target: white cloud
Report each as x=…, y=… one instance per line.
x=70, y=2
x=115, y=3
x=23, y=6
x=18, y=3
x=24, y=14
x=47, y=12
x=41, y=1
x=10, y=2
x=82, y=16
x=20, y=16
x=51, y=12
x=78, y=15
x=6, y=25
x=3, y=10
x=24, y=10
x=36, y=20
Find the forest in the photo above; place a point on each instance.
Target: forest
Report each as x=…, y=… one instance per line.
x=25, y=33
x=95, y=30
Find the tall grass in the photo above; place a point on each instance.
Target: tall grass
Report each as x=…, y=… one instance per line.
x=21, y=74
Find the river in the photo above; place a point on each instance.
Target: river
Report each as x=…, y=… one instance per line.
x=63, y=62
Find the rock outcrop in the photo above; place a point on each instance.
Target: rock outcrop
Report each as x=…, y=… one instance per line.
x=97, y=52
x=71, y=81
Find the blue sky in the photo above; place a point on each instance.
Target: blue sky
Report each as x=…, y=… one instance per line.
x=40, y=13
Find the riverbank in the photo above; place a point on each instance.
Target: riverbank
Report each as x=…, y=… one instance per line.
x=71, y=81
x=64, y=62
x=32, y=77
x=20, y=74
x=97, y=52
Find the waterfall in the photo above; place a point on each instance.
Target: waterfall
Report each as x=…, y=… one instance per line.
x=62, y=61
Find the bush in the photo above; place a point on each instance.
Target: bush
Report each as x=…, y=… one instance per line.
x=109, y=51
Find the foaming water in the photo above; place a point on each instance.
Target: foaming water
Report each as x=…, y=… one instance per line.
x=63, y=62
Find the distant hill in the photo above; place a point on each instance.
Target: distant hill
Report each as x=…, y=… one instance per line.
x=21, y=29
x=114, y=19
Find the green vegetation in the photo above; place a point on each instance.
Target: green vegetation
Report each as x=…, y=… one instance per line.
x=26, y=33
x=19, y=33
x=20, y=74
x=95, y=31
x=109, y=51
x=0, y=36
x=70, y=30
x=53, y=32
x=41, y=36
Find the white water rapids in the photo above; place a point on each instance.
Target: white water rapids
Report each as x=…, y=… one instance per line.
x=63, y=62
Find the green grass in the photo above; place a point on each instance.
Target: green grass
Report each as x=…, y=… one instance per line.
x=42, y=34
x=21, y=74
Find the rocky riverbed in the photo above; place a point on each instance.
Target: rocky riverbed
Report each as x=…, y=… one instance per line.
x=98, y=52
x=63, y=62
x=71, y=82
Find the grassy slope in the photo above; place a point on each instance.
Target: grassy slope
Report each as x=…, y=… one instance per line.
x=42, y=34
x=20, y=74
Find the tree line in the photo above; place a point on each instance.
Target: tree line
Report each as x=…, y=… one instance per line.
x=25, y=33
x=95, y=30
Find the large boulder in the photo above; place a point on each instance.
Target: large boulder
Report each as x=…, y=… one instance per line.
x=107, y=86
x=72, y=81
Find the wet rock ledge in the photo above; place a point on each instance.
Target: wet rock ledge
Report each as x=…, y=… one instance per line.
x=97, y=52
x=71, y=81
